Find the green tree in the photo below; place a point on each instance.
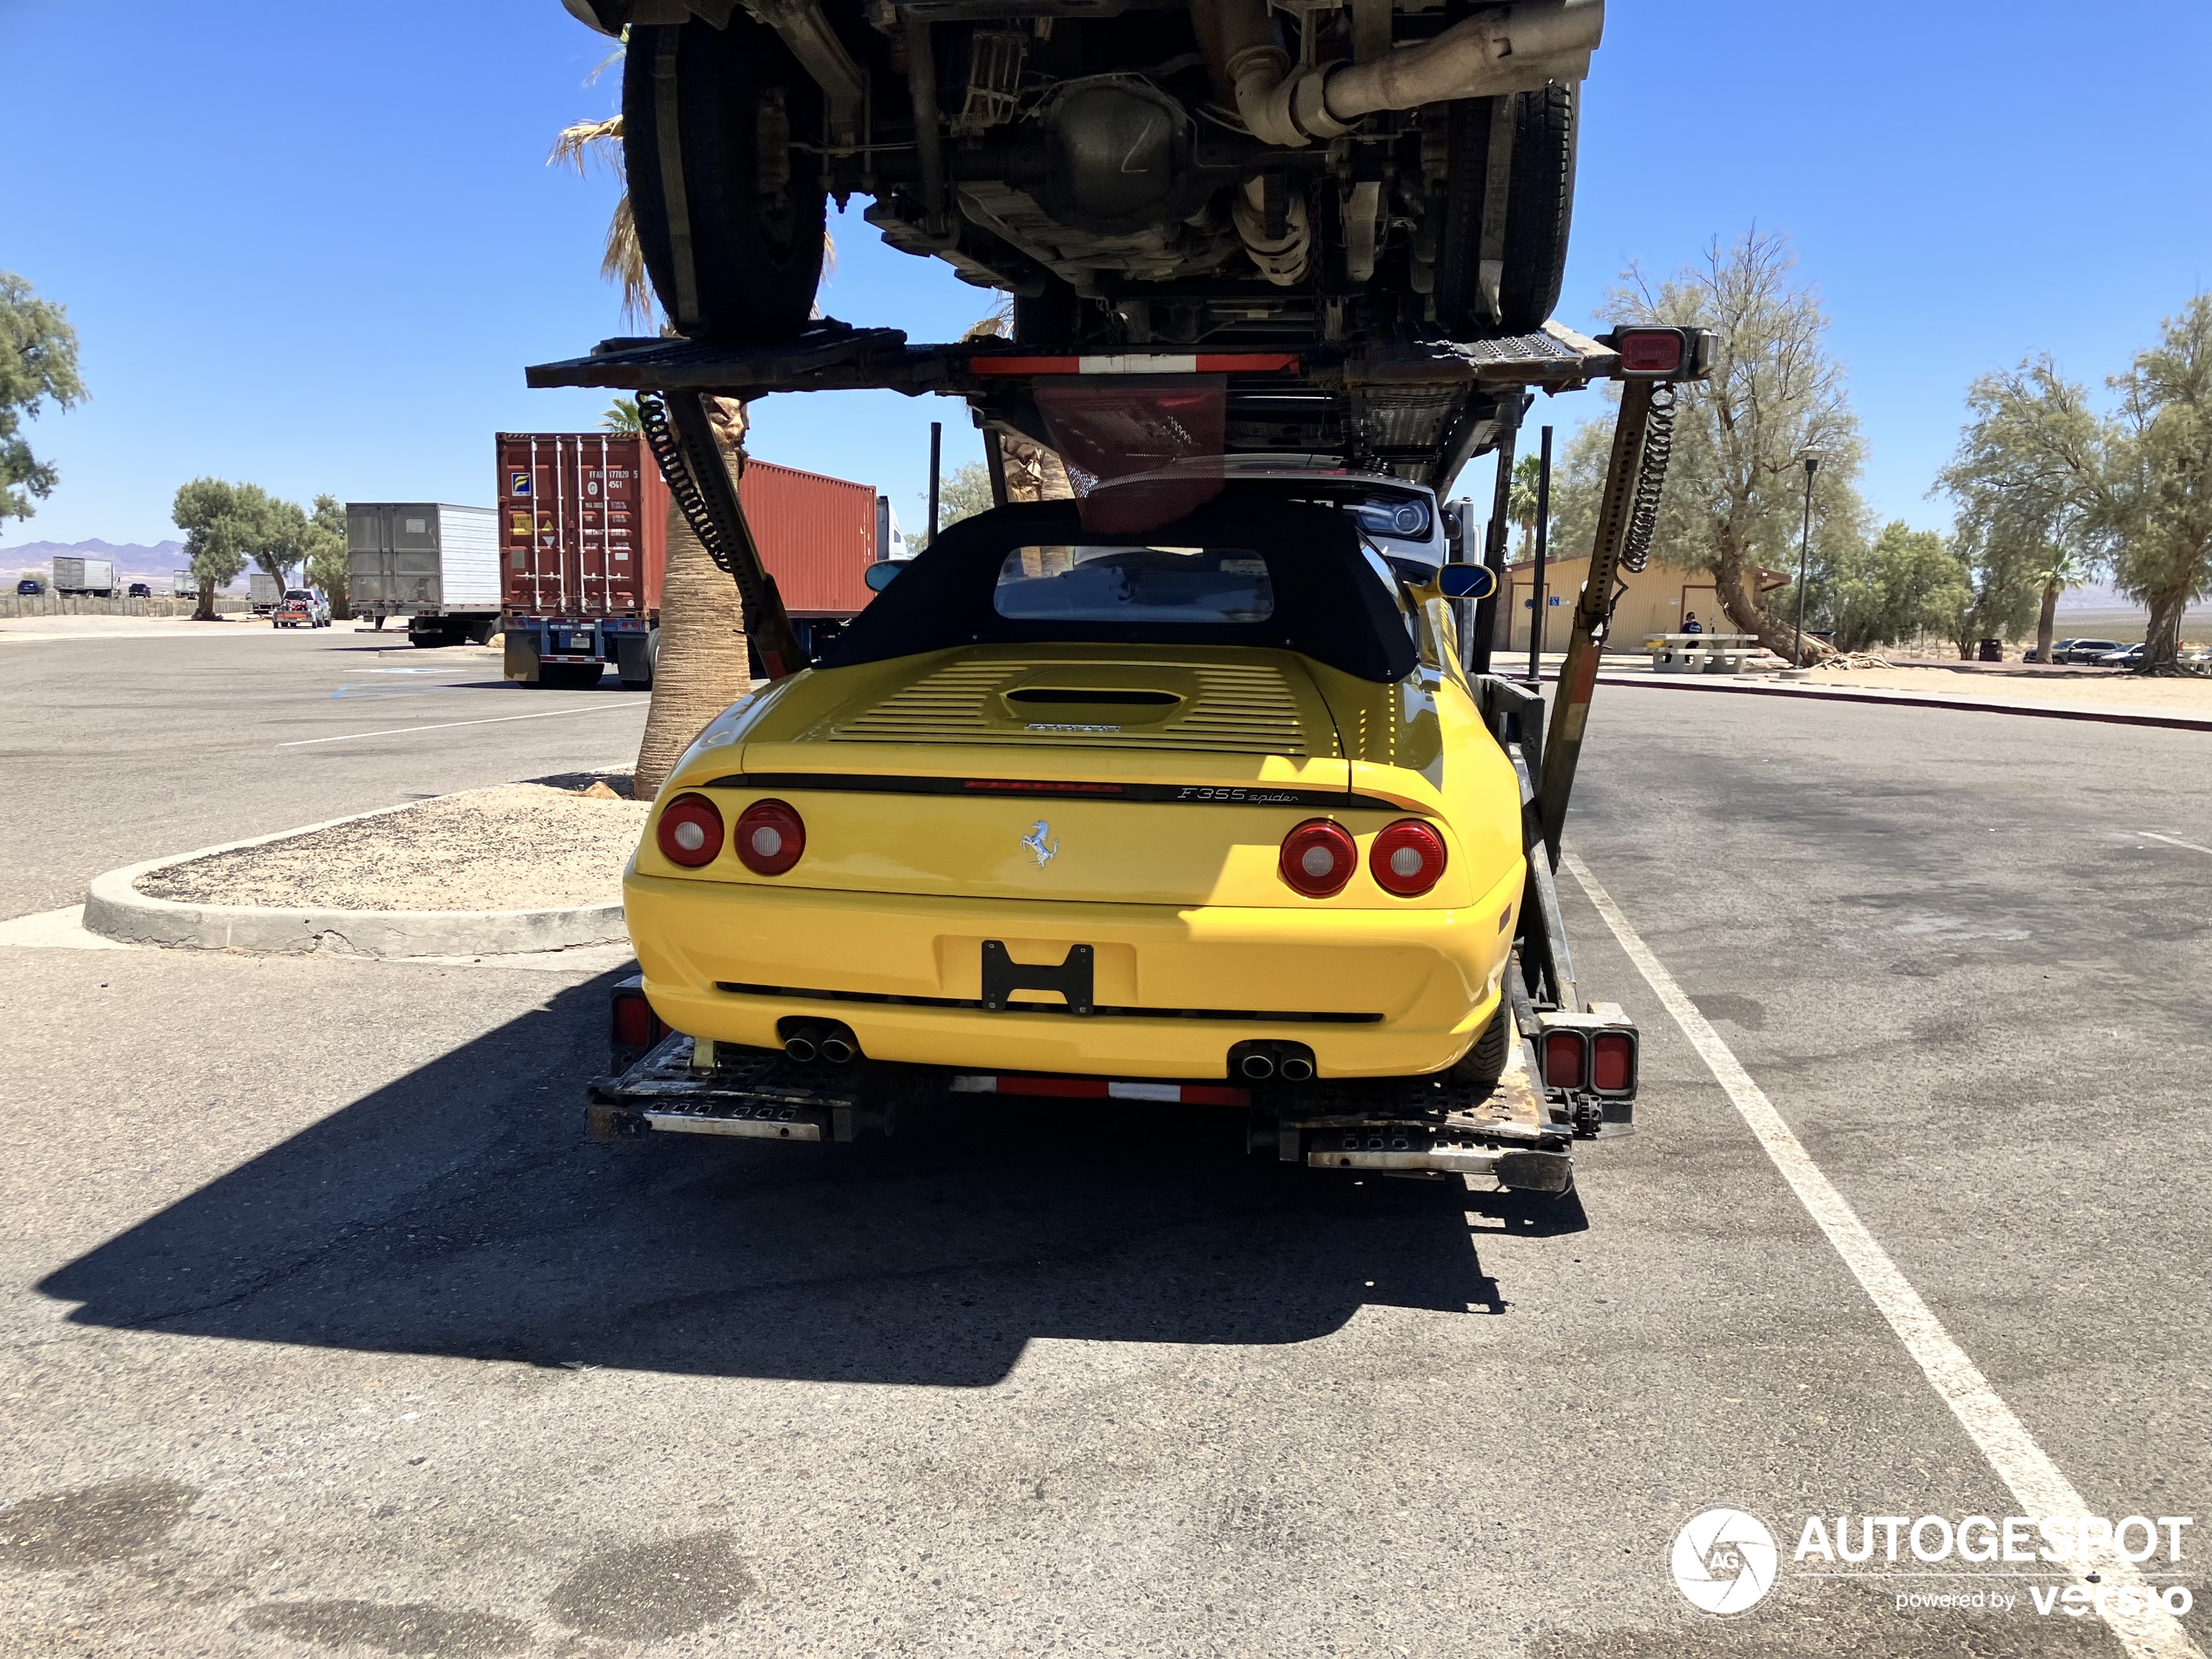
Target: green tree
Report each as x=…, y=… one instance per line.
x=1905, y=584
x=223, y=523
x=324, y=548
x=2032, y=481
x=279, y=539
x=622, y=416
x=1736, y=487
x=2038, y=473
x=2002, y=605
x=960, y=493
x=37, y=366
x=2158, y=509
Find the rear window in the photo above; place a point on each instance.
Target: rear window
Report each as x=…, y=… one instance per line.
x=1197, y=586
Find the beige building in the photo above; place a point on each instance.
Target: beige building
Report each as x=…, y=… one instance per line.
x=1659, y=597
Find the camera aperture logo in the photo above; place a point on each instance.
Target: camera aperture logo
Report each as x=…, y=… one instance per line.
x=1724, y=1560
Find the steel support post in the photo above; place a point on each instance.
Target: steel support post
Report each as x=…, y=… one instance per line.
x=1578, y=676
x=1510, y=408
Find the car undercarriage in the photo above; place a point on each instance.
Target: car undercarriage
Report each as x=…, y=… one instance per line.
x=1132, y=172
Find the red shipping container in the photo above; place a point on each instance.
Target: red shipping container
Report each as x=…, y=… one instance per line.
x=583, y=528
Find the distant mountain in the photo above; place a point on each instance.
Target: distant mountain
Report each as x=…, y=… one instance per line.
x=134, y=561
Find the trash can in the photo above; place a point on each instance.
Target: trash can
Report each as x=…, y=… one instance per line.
x=1992, y=650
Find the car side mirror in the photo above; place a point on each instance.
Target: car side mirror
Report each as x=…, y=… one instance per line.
x=882, y=574
x=1466, y=581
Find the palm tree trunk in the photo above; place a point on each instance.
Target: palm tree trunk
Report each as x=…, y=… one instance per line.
x=2047, y=624
x=704, y=662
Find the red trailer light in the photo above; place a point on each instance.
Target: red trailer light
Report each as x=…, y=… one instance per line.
x=1407, y=858
x=1319, y=858
x=770, y=837
x=690, y=832
x=636, y=1025
x=1612, y=1063
x=1565, y=1054
x=1650, y=351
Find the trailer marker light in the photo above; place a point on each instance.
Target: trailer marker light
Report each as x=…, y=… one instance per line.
x=635, y=1025
x=689, y=832
x=1650, y=351
x=1407, y=858
x=1612, y=1063
x=1319, y=858
x=770, y=837
x=1563, y=1055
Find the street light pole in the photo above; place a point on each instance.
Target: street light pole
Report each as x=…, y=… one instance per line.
x=1805, y=548
x=1543, y=524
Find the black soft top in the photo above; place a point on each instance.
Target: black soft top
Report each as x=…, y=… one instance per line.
x=1329, y=603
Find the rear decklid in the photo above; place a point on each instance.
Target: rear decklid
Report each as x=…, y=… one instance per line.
x=1070, y=773
x=1188, y=715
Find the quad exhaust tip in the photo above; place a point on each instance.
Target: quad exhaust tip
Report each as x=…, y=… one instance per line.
x=1259, y=1065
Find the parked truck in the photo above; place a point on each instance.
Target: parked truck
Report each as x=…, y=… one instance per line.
x=92, y=576
x=434, y=563
x=583, y=532
x=183, y=584
x=262, y=593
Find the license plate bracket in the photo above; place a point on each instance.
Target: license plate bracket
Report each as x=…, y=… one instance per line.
x=1003, y=975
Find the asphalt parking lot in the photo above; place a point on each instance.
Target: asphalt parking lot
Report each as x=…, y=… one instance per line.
x=324, y=1330
x=127, y=744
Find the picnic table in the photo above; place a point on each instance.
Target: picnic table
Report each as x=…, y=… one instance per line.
x=1700, y=653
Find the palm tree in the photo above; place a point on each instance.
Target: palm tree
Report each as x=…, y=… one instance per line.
x=622, y=416
x=704, y=661
x=1521, y=502
x=2064, y=570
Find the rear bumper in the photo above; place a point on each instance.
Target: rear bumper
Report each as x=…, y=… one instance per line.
x=906, y=977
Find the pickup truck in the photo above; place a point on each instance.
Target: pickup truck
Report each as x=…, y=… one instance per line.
x=301, y=607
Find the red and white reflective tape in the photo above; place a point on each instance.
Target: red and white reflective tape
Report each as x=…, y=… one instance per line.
x=1103, y=1088
x=1205, y=362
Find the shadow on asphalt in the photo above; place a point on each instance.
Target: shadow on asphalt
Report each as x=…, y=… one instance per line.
x=460, y=1211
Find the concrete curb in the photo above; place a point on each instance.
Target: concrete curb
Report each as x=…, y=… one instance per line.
x=115, y=908
x=2177, y=722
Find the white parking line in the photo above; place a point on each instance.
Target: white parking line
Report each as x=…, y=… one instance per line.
x=2150, y=1632
x=446, y=726
x=2153, y=835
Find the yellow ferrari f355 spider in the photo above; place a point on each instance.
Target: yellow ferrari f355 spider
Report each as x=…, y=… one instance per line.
x=1212, y=804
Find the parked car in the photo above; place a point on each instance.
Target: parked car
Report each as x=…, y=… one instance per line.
x=139, y=590
x=2127, y=657
x=302, y=608
x=30, y=586
x=2082, y=651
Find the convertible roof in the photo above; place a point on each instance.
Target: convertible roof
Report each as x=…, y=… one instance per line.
x=1328, y=603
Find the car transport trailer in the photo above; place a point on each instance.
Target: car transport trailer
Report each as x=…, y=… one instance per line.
x=1566, y=1068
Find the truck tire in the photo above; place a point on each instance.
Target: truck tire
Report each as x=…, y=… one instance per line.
x=1540, y=207
x=637, y=659
x=740, y=255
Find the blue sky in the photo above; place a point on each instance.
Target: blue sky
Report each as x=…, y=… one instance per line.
x=314, y=245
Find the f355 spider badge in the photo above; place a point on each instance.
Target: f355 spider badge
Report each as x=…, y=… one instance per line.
x=1041, y=841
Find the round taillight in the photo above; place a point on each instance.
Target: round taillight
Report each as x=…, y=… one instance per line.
x=691, y=831
x=1319, y=858
x=770, y=837
x=1407, y=858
